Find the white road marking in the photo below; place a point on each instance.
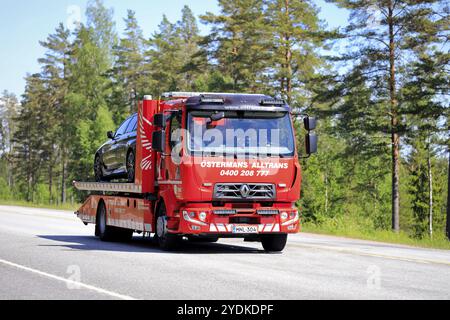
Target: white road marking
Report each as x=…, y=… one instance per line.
x=67, y=281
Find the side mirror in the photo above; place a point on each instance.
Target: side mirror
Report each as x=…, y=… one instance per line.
x=217, y=116
x=311, y=143
x=159, y=120
x=310, y=123
x=110, y=135
x=159, y=141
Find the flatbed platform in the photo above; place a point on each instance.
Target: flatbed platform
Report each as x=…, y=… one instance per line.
x=108, y=187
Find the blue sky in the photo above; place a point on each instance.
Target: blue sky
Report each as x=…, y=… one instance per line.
x=23, y=23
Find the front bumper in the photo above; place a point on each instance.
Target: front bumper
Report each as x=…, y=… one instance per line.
x=204, y=221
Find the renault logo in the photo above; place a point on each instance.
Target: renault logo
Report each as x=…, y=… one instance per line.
x=245, y=191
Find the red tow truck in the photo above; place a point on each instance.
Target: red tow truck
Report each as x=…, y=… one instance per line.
x=208, y=166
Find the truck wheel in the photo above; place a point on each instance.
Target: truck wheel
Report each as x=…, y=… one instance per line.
x=131, y=165
x=274, y=242
x=108, y=233
x=104, y=232
x=166, y=240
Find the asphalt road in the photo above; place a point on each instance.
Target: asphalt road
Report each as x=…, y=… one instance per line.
x=47, y=254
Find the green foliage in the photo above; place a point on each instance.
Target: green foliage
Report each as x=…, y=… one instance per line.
x=5, y=190
x=383, y=89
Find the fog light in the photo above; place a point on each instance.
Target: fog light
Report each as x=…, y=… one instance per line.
x=284, y=216
x=202, y=216
x=195, y=228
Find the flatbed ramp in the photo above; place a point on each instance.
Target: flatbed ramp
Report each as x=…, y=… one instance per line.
x=108, y=187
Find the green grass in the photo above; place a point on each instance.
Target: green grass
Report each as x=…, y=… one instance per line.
x=67, y=206
x=357, y=232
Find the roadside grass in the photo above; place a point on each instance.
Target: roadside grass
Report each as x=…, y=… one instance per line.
x=356, y=232
x=65, y=207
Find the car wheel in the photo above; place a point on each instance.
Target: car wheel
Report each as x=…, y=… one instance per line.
x=98, y=169
x=131, y=167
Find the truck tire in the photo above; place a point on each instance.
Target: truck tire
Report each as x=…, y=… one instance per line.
x=274, y=242
x=107, y=233
x=104, y=232
x=166, y=241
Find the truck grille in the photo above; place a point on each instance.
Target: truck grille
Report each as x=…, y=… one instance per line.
x=244, y=191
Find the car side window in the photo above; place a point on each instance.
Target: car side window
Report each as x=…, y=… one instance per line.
x=132, y=125
x=123, y=128
x=135, y=125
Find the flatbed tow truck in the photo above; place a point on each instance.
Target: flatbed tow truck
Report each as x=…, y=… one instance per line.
x=189, y=184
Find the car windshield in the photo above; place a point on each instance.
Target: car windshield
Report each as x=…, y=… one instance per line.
x=243, y=132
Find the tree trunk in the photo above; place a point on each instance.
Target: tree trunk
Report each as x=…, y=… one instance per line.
x=63, y=179
x=50, y=182
x=394, y=125
x=448, y=198
x=288, y=57
x=326, y=193
x=430, y=198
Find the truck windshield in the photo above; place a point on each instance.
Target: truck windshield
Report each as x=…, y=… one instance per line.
x=241, y=133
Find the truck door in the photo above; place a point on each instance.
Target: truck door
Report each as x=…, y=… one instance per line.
x=175, y=138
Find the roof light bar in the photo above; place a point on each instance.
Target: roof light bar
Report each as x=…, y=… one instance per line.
x=273, y=102
x=209, y=100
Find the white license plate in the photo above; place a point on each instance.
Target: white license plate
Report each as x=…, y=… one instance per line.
x=245, y=229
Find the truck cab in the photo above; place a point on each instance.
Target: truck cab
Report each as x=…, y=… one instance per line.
x=228, y=166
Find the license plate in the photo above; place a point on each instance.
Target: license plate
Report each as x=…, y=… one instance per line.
x=245, y=229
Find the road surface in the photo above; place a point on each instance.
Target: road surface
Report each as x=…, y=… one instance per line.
x=47, y=254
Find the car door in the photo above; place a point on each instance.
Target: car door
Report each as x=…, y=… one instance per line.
x=111, y=157
x=123, y=142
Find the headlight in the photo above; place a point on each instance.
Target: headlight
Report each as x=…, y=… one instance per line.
x=202, y=216
x=284, y=216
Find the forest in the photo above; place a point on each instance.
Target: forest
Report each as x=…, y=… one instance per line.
x=379, y=87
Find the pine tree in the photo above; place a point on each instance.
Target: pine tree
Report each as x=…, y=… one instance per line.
x=163, y=56
x=297, y=36
x=193, y=63
x=29, y=140
x=100, y=20
x=239, y=43
x=129, y=68
x=9, y=109
x=385, y=33
x=88, y=96
x=55, y=74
